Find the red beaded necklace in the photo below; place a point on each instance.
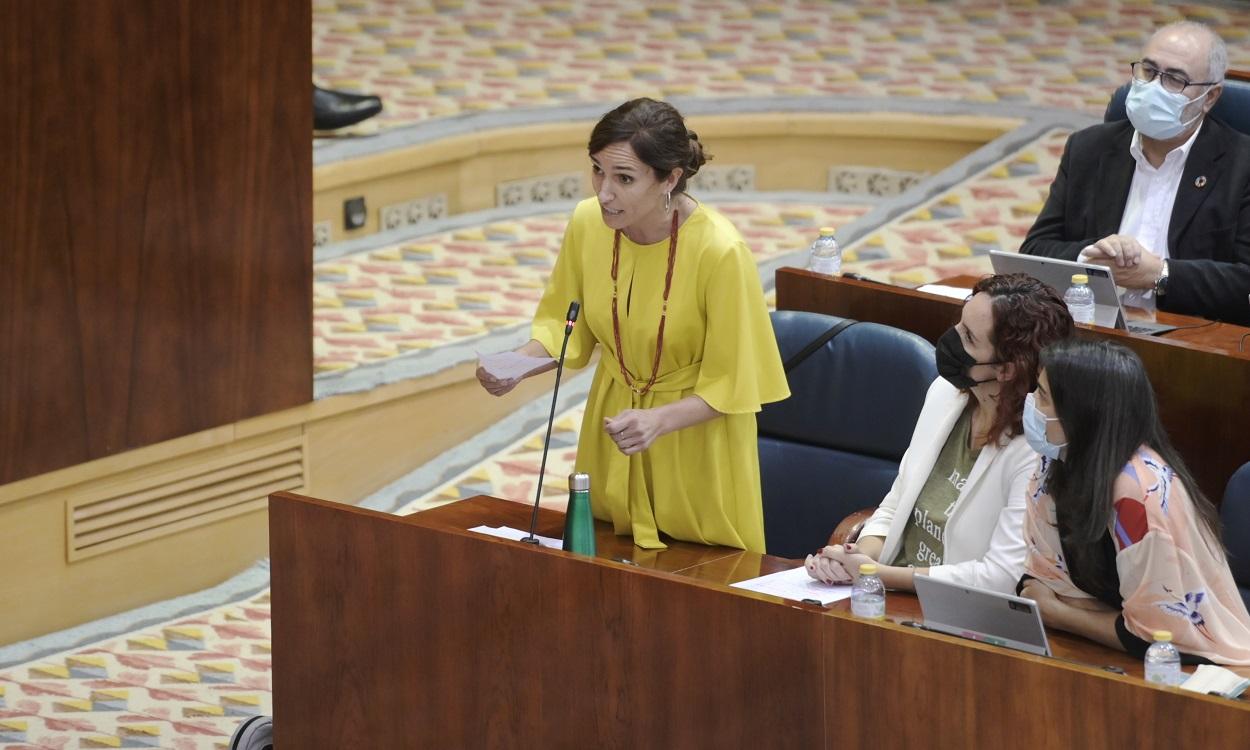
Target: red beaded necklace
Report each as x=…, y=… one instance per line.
x=616, y=322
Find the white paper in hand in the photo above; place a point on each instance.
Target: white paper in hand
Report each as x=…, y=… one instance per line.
x=510, y=365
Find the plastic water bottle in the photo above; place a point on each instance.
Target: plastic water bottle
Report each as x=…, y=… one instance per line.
x=826, y=256
x=1163, y=661
x=1080, y=299
x=868, y=594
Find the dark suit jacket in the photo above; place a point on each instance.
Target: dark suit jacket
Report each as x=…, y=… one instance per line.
x=1209, y=236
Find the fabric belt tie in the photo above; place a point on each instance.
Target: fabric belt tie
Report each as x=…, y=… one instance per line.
x=680, y=379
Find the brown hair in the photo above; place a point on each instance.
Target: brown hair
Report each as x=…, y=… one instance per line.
x=1028, y=316
x=657, y=133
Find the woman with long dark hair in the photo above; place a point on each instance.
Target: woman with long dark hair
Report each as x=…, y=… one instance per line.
x=1121, y=541
x=672, y=294
x=956, y=510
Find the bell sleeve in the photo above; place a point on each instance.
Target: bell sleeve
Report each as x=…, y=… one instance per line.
x=1169, y=572
x=741, y=368
x=564, y=286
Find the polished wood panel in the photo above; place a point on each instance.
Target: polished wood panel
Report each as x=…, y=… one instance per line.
x=391, y=633
x=931, y=690
x=156, y=167
x=411, y=632
x=1199, y=373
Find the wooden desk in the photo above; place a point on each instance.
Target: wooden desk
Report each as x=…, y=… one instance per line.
x=1201, y=378
x=413, y=632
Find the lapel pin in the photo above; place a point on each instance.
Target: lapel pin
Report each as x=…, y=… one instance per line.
x=1200, y=182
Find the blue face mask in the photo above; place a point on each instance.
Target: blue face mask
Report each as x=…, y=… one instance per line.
x=1035, y=430
x=1156, y=112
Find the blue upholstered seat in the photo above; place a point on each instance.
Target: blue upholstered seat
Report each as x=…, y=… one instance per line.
x=1235, y=517
x=833, y=447
x=1233, y=108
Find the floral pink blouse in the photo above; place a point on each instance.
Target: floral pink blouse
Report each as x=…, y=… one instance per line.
x=1171, y=578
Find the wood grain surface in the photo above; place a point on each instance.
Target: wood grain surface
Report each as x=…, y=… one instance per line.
x=155, y=158
x=390, y=633
x=412, y=632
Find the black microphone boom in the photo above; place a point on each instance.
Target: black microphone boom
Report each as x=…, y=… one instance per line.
x=569, y=320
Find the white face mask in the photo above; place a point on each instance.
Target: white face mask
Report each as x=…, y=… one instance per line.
x=1156, y=112
x=1035, y=430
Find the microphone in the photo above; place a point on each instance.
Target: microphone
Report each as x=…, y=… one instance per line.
x=569, y=320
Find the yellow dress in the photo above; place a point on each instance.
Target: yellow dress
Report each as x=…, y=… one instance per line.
x=701, y=483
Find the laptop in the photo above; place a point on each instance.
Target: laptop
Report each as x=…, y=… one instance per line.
x=1056, y=273
x=982, y=615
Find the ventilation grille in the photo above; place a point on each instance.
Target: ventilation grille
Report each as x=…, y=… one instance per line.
x=174, y=501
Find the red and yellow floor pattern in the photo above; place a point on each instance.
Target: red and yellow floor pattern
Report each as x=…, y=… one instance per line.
x=184, y=685
x=449, y=57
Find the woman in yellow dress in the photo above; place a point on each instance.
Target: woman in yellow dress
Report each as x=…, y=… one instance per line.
x=670, y=290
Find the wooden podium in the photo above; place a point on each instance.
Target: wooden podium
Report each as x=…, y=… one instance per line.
x=412, y=632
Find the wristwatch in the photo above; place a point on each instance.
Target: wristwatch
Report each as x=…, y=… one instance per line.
x=1161, y=283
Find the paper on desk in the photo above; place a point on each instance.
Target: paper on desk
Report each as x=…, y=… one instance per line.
x=954, y=292
x=795, y=584
x=510, y=365
x=507, y=532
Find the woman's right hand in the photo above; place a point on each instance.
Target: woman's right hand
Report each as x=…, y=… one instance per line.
x=495, y=386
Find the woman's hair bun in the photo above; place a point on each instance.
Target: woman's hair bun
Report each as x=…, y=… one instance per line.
x=697, y=157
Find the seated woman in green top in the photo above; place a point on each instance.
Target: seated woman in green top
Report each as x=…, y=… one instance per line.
x=956, y=510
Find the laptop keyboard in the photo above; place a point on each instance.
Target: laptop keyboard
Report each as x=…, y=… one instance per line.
x=1149, y=329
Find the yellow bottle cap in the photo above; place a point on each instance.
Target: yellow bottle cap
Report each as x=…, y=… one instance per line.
x=1164, y=636
x=1080, y=278
x=826, y=231
x=869, y=569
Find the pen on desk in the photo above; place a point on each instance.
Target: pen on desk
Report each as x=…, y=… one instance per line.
x=623, y=560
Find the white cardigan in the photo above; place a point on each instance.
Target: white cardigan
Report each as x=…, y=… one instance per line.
x=984, y=537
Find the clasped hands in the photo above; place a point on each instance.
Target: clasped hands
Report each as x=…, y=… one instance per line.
x=836, y=564
x=1132, y=265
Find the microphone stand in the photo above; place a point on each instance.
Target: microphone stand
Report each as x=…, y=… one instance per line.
x=570, y=320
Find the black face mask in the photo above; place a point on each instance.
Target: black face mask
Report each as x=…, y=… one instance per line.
x=953, y=361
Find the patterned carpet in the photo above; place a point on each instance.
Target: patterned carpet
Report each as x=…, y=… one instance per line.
x=185, y=683
x=449, y=57
x=182, y=685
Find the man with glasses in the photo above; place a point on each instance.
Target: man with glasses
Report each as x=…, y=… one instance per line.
x=1164, y=198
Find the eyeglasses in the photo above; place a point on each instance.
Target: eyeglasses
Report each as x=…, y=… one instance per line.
x=1145, y=72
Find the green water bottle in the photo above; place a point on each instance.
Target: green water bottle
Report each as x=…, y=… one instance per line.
x=579, y=524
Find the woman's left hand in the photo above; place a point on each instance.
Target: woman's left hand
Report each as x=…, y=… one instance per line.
x=634, y=430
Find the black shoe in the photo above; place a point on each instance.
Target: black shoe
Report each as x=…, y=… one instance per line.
x=337, y=109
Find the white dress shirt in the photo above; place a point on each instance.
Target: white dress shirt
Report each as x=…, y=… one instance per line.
x=1148, y=212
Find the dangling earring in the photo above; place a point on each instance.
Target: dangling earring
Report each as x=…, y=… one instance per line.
x=668, y=200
